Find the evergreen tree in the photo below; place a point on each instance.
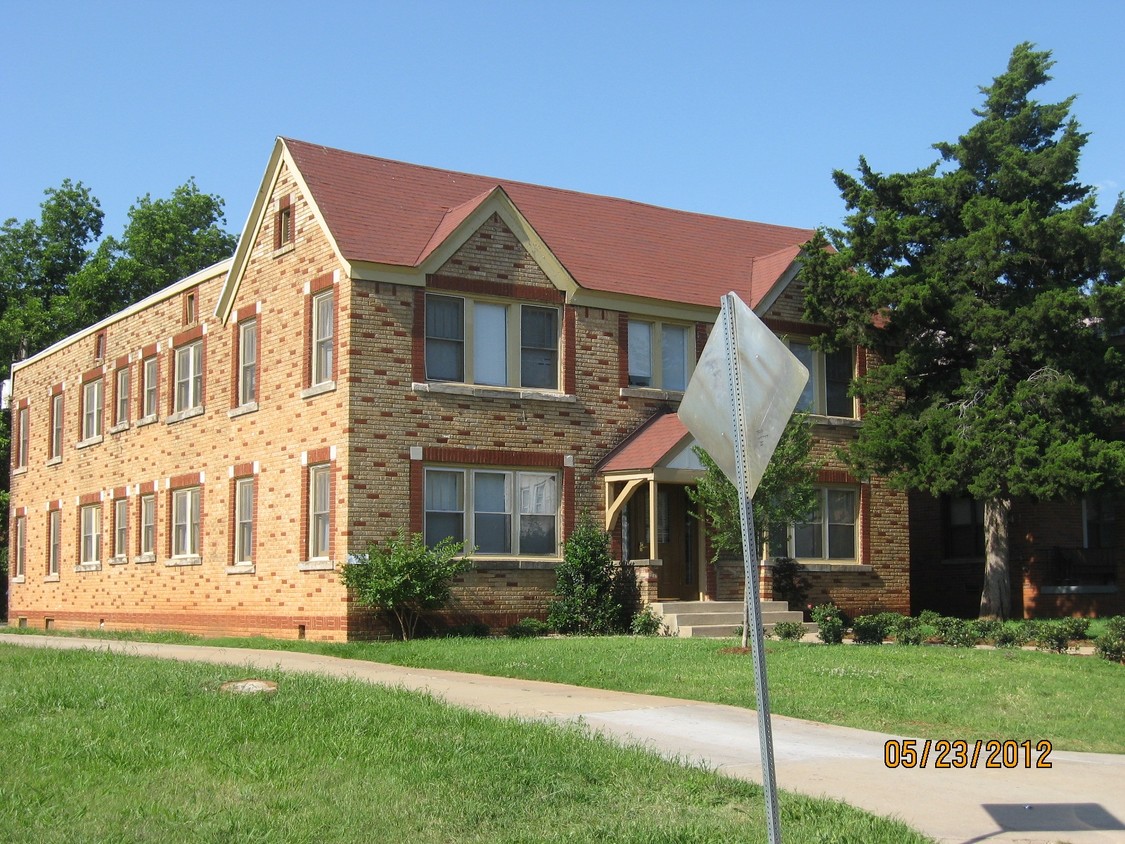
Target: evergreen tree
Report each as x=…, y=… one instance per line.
x=991, y=288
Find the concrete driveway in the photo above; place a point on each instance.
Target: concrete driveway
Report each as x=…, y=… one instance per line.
x=1080, y=799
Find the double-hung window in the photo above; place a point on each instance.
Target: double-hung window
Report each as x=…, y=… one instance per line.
x=185, y=522
x=54, y=542
x=492, y=343
x=121, y=404
x=660, y=355
x=93, y=398
x=323, y=318
x=91, y=521
x=189, y=376
x=244, y=521
x=120, y=528
x=1099, y=521
x=148, y=525
x=149, y=387
x=23, y=437
x=830, y=376
x=320, y=493
x=828, y=531
x=248, y=362
x=499, y=512
x=964, y=528
x=21, y=546
x=56, y=442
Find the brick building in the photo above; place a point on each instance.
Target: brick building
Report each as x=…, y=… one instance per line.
x=394, y=346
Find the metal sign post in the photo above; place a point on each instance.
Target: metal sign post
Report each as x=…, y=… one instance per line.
x=743, y=391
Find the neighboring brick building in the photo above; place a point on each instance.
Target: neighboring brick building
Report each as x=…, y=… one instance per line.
x=394, y=346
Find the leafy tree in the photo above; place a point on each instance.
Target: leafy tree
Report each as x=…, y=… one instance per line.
x=403, y=577
x=586, y=586
x=988, y=284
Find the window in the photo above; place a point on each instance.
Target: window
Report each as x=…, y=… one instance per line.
x=830, y=375
x=54, y=541
x=185, y=522
x=92, y=398
x=498, y=512
x=491, y=343
x=21, y=545
x=189, y=376
x=828, y=531
x=964, y=528
x=99, y=345
x=320, y=491
x=121, y=406
x=248, y=362
x=121, y=528
x=322, y=338
x=55, y=444
x=1099, y=520
x=244, y=521
x=149, y=387
x=284, y=225
x=23, y=442
x=190, y=307
x=148, y=525
x=660, y=355
x=91, y=518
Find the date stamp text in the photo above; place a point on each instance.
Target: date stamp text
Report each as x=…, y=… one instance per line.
x=991, y=753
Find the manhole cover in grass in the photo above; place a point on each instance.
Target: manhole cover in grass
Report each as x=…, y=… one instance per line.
x=247, y=687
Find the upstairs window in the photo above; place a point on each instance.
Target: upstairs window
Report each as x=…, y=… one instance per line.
x=660, y=355
x=830, y=376
x=56, y=441
x=149, y=387
x=121, y=404
x=93, y=398
x=496, y=344
x=248, y=362
x=1099, y=522
x=323, y=318
x=964, y=528
x=23, y=436
x=189, y=376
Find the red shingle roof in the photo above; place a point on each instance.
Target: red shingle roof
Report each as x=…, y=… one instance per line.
x=388, y=212
x=647, y=446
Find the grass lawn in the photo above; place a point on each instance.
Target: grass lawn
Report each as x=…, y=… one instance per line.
x=100, y=747
x=929, y=691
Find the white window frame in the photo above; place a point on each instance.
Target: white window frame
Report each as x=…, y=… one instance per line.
x=247, y=362
x=122, y=396
x=93, y=408
x=151, y=386
x=647, y=370
x=320, y=511
x=56, y=443
x=188, y=381
x=186, y=522
x=21, y=546
x=23, y=436
x=322, y=345
x=244, y=521
x=54, y=542
x=148, y=525
x=814, y=399
x=90, y=520
x=120, y=528
x=518, y=358
x=518, y=508
x=825, y=525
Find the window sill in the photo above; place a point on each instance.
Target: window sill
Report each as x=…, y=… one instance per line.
x=181, y=415
x=119, y=427
x=118, y=561
x=283, y=250
x=88, y=567
x=1080, y=589
x=86, y=443
x=243, y=409
x=498, y=564
x=184, y=561
x=144, y=558
x=482, y=392
x=316, y=565
x=851, y=566
x=19, y=578
x=54, y=461
x=241, y=568
x=834, y=421
x=318, y=389
x=147, y=420
x=651, y=393
x=51, y=578
x=19, y=470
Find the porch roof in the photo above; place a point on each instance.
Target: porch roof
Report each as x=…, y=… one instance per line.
x=648, y=446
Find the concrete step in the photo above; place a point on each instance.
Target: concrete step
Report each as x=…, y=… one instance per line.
x=679, y=607
x=718, y=619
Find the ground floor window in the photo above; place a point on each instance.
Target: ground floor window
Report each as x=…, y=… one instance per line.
x=185, y=522
x=828, y=532
x=496, y=511
x=91, y=518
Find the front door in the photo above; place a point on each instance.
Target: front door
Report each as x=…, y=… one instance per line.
x=676, y=544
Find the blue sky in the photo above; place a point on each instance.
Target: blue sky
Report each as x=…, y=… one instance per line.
x=740, y=109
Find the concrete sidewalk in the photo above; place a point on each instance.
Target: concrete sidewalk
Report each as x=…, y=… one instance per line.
x=1080, y=799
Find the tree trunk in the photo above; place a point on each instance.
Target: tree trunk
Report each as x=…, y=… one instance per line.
x=996, y=596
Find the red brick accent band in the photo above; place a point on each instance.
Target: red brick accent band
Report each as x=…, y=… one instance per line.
x=93, y=374
x=321, y=282
x=493, y=457
x=187, y=336
x=189, y=479
x=506, y=289
x=835, y=476
x=89, y=498
x=319, y=455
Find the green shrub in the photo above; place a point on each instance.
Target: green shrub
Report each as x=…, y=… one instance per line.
x=585, y=584
x=870, y=629
x=957, y=632
x=789, y=630
x=404, y=578
x=1056, y=634
x=647, y=623
x=1011, y=634
x=790, y=584
x=908, y=631
x=930, y=618
x=830, y=623
x=1111, y=644
x=528, y=628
